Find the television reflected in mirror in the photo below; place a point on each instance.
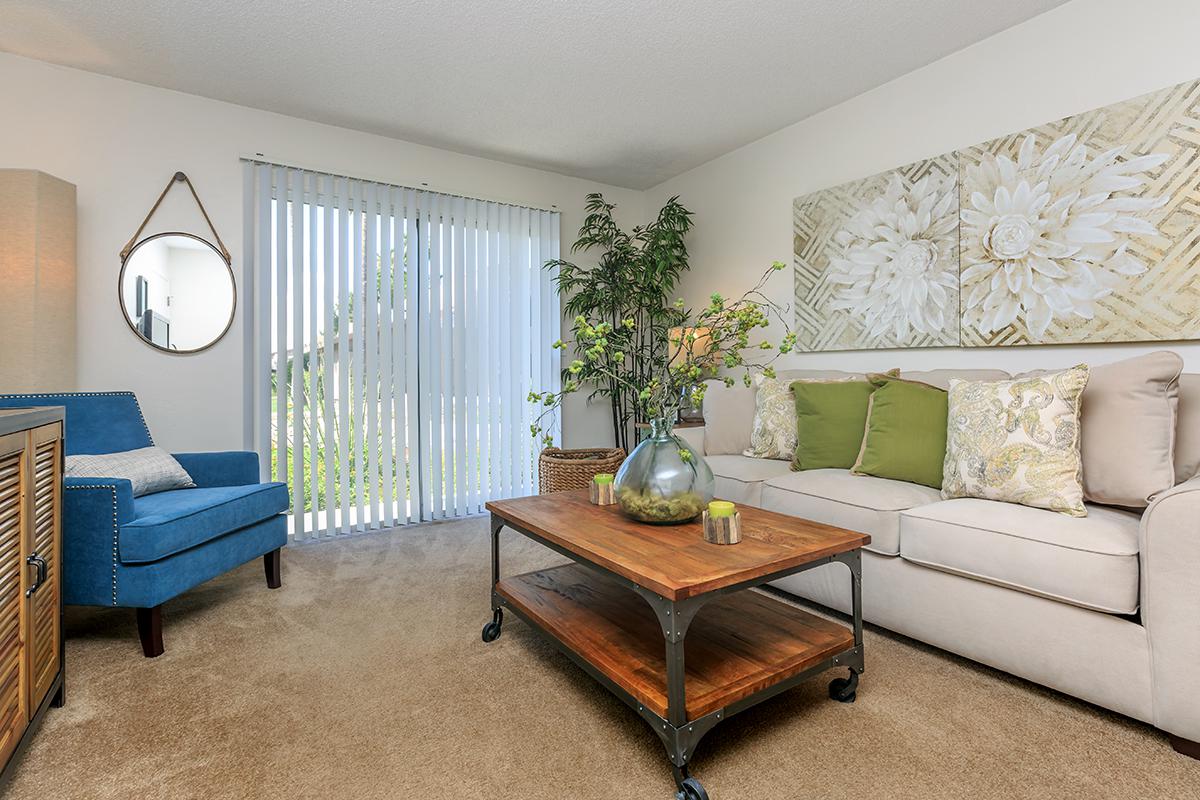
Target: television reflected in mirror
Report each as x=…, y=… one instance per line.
x=177, y=292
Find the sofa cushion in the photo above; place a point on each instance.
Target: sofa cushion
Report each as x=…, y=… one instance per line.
x=1088, y=561
x=740, y=478
x=1017, y=441
x=830, y=419
x=1187, y=429
x=1127, y=426
x=171, y=522
x=728, y=418
x=856, y=502
x=906, y=432
x=941, y=377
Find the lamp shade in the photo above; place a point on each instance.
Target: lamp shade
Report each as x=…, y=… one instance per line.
x=677, y=339
x=37, y=271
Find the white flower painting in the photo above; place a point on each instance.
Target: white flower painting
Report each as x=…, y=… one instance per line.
x=1047, y=234
x=1084, y=230
x=877, y=260
x=898, y=272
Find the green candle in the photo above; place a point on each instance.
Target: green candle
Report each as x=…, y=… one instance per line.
x=720, y=508
x=603, y=478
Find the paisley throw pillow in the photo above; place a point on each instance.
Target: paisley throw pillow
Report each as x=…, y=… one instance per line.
x=774, y=432
x=1017, y=441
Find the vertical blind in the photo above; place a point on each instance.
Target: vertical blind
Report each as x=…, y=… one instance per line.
x=396, y=336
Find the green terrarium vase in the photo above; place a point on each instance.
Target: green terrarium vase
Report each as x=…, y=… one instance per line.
x=664, y=481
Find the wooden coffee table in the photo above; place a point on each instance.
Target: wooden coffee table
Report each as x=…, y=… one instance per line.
x=743, y=647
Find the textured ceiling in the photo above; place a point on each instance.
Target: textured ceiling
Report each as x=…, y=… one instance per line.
x=628, y=92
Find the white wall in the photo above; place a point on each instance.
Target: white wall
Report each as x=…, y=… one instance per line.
x=1085, y=54
x=119, y=142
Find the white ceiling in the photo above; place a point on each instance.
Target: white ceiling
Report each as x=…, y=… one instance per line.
x=628, y=92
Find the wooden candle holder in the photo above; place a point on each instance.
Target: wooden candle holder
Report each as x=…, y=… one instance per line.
x=602, y=494
x=723, y=530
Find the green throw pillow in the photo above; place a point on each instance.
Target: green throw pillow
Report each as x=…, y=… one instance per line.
x=830, y=419
x=905, y=436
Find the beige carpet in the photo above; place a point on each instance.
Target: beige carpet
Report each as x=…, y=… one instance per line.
x=364, y=677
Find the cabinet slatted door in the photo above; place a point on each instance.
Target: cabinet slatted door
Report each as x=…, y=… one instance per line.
x=44, y=514
x=14, y=698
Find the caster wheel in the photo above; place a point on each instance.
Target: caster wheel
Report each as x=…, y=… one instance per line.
x=491, y=631
x=844, y=690
x=691, y=789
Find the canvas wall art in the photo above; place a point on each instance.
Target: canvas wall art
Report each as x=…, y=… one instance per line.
x=1081, y=230
x=877, y=260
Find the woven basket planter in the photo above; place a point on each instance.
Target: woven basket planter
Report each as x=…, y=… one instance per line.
x=560, y=470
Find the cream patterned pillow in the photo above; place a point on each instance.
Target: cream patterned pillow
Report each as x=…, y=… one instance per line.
x=1017, y=441
x=774, y=433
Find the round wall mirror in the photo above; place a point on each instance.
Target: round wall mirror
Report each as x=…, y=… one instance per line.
x=177, y=292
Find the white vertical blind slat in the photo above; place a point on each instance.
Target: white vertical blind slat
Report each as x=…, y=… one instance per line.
x=328, y=270
x=370, y=337
x=297, y=376
x=462, y=448
x=356, y=308
x=497, y=246
x=310, y=348
x=343, y=360
x=263, y=272
x=551, y=313
x=281, y=320
x=470, y=355
x=387, y=495
x=411, y=316
x=399, y=349
x=537, y=380
x=483, y=346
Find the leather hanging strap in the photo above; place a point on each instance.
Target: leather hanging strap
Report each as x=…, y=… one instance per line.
x=176, y=178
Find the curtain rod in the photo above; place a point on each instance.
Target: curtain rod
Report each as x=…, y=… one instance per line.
x=259, y=158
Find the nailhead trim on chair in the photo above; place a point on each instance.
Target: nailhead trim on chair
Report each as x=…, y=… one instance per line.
x=136, y=404
x=113, y=488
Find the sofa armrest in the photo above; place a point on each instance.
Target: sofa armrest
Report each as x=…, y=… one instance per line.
x=94, y=509
x=1169, y=551
x=230, y=468
x=693, y=437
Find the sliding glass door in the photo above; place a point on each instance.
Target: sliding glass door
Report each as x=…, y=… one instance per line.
x=396, y=335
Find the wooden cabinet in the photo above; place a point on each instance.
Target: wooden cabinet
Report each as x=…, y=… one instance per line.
x=31, y=652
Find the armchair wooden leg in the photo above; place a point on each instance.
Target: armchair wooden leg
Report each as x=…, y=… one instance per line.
x=1185, y=746
x=271, y=564
x=149, y=622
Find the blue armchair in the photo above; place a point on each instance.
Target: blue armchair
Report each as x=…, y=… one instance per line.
x=139, y=552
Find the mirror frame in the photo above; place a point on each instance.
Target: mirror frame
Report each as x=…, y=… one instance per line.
x=121, y=299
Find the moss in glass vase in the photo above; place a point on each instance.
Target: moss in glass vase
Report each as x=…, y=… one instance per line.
x=650, y=506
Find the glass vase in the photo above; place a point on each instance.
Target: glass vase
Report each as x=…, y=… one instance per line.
x=664, y=481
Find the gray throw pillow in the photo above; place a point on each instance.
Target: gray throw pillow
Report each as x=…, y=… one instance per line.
x=149, y=469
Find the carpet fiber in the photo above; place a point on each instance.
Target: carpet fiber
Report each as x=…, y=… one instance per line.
x=364, y=677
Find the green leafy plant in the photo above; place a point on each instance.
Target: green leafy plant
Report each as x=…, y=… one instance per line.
x=632, y=281
x=721, y=335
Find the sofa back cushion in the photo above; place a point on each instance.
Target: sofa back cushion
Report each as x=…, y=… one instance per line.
x=1128, y=429
x=1187, y=429
x=728, y=418
x=96, y=422
x=941, y=377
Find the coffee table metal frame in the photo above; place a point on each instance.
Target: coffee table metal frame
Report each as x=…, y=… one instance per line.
x=679, y=735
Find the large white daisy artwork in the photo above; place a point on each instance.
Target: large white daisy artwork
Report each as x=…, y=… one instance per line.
x=877, y=261
x=1082, y=230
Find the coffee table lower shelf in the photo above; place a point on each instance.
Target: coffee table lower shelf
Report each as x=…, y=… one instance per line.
x=741, y=648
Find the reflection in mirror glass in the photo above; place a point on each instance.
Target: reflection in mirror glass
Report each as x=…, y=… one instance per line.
x=177, y=292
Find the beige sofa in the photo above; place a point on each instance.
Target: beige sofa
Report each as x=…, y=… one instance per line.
x=1105, y=608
